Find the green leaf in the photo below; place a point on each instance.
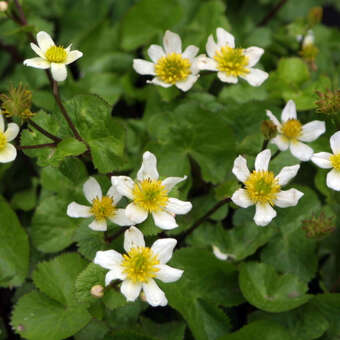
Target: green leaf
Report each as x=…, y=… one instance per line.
x=69, y=147
x=293, y=70
x=26, y=199
x=269, y=291
x=95, y=329
x=14, y=248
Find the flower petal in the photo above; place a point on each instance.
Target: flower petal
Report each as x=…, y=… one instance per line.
x=172, y=42
x=73, y=56
x=2, y=122
x=289, y=111
x=188, y=83
x=108, y=259
x=157, y=81
x=241, y=198
x=281, y=142
x=333, y=180
x=301, y=151
x=220, y=255
x=37, y=50
x=155, y=52
x=124, y=185
x=288, y=198
x=313, y=130
x=224, y=38
x=114, y=194
x=287, y=173
x=177, y=206
x=335, y=142
x=226, y=79
x=264, y=214
x=78, y=210
x=8, y=154
x=133, y=238
x=211, y=46
x=37, y=63
x=254, y=54
x=148, y=168
x=255, y=77
x=120, y=218
x=190, y=52
x=135, y=213
x=44, y=41
x=164, y=220
x=170, y=182
x=130, y=290
x=262, y=160
x=91, y=189
x=321, y=159
x=164, y=248
x=115, y=273
x=154, y=295
x=273, y=118
x=12, y=131
x=168, y=274
x=143, y=67
x=59, y=71
x=98, y=225
x=205, y=63
x=240, y=169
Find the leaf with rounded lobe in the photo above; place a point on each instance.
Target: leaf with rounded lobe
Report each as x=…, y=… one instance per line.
x=293, y=70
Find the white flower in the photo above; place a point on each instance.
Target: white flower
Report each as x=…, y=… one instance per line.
x=219, y=254
x=150, y=195
x=263, y=189
x=169, y=65
x=52, y=56
x=138, y=268
x=292, y=133
x=102, y=207
x=230, y=62
x=8, y=152
x=327, y=160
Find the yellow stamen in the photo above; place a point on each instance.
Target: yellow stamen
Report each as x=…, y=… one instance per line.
x=291, y=129
x=335, y=160
x=103, y=208
x=232, y=61
x=150, y=195
x=262, y=187
x=3, y=141
x=56, y=54
x=173, y=68
x=140, y=264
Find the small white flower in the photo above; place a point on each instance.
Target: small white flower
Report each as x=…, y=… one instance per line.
x=308, y=39
x=8, y=152
x=138, y=268
x=102, y=207
x=263, y=189
x=327, y=160
x=150, y=195
x=52, y=56
x=219, y=254
x=292, y=133
x=230, y=62
x=169, y=65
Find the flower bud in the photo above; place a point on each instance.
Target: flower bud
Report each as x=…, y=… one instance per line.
x=319, y=226
x=97, y=291
x=3, y=6
x=314, y=16
x=268, y=129
x=329, y=102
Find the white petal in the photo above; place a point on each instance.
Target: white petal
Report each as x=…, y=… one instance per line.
x=220, y=255
x=281, y=142
x=148, y=168
x=130, y=290
x=143, y=67
x=168, y=274
x=170, y=182
x=154, y=295
x=289, y=111
x=164, y=220
x=177, y=206
x=78, y=210
x=226, y=79
x=98, y=225
x=114, y=194
x=172, y=42
x=288, y=198
x=205, y=63
x=115, y=273
x=73, y=56
x=333, y=180
x=8, y=154
x=335, y=142
x=190, y=52
x=321, y=159
x=135, y=213
x=211, y=46
x=37, y=63
x=37, y=50
x=157, y=81
x=240, y=169
x=164, y=248
x=224, y=38
x=264, y=214
x=255, y=77
x=2, y=122
x=254, y=54
x=12, y=131
x=273, y=118
x=301, y=151
x=44, y=41
x=188, y=83
x=120, y=218
x=133, y=238
x=155, y=52
x=108, y=259
x=262, y=160
x=91, y=189
x=124, y=185
x=59, y=71
x=287, y=173
x=241, y=198
x=312, y=131
x=68, y=48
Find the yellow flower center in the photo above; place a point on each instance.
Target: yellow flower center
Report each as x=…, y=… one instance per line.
x=335, y=160
x=291, y=129
x=140, y=264
x=232, y=61
x=150, y=195
x=262, y=187
x=3, y=141
x=173, y=68
x=103, y=208
x=56, y=54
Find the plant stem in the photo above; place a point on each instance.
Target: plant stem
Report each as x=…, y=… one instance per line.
x=21, y=12
x=272, y=13
x=275, y=154
x=109, y=239
x=44, y=132
x=38, y=146
x=265, y=144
